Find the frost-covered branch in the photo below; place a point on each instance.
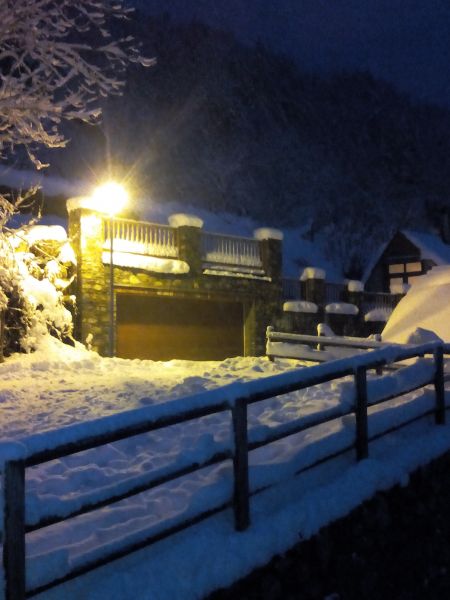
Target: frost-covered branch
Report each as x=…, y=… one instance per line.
x=58, y=58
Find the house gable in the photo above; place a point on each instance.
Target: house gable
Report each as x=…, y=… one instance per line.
x=399, y=263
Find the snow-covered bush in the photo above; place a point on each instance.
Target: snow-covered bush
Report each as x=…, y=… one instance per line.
x=33, y=281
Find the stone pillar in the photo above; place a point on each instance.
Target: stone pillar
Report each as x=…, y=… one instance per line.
x=271, y=245
x=355, y=294
x=302, y=316
x=189, y=240
x=342, y=317
x=259, y=314
x=92, y=281
x=314, y=280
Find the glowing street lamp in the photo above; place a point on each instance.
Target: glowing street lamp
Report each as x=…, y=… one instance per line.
x=110, y=198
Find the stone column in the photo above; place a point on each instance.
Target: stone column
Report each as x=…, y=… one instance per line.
x=314, y=280
x=189, y=240
x=92, y=281
x=302, y=316
x=271, y=245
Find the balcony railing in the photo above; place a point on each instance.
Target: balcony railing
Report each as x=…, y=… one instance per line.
x=139, y=237
x=374, y=300
x=231, y=250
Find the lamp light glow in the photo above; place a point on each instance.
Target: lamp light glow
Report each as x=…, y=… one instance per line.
x=110, y=198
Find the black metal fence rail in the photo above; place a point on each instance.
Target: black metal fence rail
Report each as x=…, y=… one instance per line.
x=234, y=398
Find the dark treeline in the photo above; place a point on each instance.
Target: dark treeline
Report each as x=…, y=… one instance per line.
x=236, y=128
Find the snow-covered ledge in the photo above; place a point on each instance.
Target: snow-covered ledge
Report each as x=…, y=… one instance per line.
x=353, y=285
x=300, y=306
x=267, y=233
x=312, y=273
x=185, y=220
x=341, y=308
x=147, y=263
x=378, y=314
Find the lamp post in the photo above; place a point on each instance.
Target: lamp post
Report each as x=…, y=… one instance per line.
x=110, y=198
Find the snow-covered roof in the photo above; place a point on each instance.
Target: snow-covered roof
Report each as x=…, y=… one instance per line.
x=431, y=246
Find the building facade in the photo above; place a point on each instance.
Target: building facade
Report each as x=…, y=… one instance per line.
x=178, y=292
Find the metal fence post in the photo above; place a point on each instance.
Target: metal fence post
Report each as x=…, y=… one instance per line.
x=362, y=443
x=241, y=503
x=439, y=387
x=14, y=529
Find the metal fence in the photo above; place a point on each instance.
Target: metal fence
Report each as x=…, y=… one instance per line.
x=231, y=250
x=140, y=237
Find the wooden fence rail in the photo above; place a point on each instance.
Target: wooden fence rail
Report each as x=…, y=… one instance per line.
x=235, y=398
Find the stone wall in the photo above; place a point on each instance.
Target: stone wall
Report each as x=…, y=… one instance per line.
x=260, y=297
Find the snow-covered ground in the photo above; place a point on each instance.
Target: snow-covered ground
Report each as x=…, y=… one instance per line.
x=425, y=306
x=57, y=387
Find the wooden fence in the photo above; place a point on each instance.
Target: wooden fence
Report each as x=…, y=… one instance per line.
x=235, y=398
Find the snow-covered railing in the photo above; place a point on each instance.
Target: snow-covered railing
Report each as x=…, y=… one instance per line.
x=231, y=250
x=312, y=347
x=235, y=398
x=140, y=237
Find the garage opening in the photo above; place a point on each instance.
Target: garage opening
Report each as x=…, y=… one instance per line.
x=163, y=328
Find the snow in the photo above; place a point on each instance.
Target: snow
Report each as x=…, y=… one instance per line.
x=312, y=273
x=60, y=393
x=146, y=263
x=240, y=273
x=355, y=286
x=426, y=305
x=268, y=233
x=324, y=329
x=45, y=232
x=341, y=308
x=378, y=314
x=300, y=306
x=185, y=220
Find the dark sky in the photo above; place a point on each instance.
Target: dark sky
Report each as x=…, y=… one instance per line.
x=406, y=42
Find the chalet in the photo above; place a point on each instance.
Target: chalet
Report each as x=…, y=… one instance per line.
x=408, y=255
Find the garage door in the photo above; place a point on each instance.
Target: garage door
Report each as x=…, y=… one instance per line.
x=162, y=328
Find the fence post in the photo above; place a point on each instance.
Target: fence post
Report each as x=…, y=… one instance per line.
x=14, y=529
x=439, y=387
x=362, y=442
x=241, y=504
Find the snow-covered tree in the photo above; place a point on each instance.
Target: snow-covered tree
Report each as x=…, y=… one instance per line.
x=58, y=58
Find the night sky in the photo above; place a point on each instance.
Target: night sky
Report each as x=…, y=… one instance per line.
x=403, y=41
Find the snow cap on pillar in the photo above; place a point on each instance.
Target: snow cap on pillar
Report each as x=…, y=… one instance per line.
x=312, y=273
x=185, y=220
x=267, y=233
